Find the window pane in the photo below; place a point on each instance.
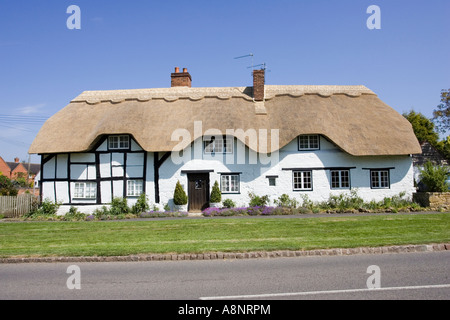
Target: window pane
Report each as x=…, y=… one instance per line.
x=113, y=142
x=313, y=142
x=345, y=179
x=79, y=190
x=335, y=179
x=124, y=142
x=384, y=179
x=307, y=180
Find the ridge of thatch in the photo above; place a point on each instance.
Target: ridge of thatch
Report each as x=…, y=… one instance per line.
x=352, y=117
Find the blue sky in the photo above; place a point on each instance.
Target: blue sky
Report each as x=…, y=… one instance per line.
x=137, y=44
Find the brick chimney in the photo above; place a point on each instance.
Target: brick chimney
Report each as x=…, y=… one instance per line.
x=181, y=79
x=16, y=160
x=258, y=84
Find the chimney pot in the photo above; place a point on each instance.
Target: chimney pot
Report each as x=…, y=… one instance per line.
x=16, y=160
x=182, y=79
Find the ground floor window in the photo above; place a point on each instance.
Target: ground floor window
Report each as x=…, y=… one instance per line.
x=302, y=180
x=379, y=179
x=134, y=188
x=340, y=179
x=85, y=190
x=229, y=183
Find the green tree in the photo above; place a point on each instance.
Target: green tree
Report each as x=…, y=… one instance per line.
x=441, y=116
x=179, y=196
x=7, y=187
x=216, y=195
x=423, y=127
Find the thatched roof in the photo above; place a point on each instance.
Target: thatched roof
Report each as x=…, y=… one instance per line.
x=352, y=117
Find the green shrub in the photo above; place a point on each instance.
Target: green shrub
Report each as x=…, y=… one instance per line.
x=434, y=177
x=228, y=203
x=216, y=195
x=179, y=196
x=285, y=201
x=141, y=204
x=47, y=207
x=74, y=215
x=119, y=206
x=258, y=201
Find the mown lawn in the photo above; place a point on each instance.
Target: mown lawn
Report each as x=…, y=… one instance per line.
x=107, y=238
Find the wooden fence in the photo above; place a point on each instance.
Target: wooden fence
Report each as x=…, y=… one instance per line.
x=15, y=207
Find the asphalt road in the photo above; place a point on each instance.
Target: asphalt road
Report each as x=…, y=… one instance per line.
x=399, y=276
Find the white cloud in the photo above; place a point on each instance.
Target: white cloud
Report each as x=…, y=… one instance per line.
x=32, y=109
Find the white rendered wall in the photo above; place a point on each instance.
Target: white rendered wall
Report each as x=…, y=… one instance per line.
x=253, y=176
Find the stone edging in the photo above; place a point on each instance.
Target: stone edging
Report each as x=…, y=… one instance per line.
x=238, y=255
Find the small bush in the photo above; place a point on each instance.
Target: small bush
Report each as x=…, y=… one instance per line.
x=47, y=207
x=228, y=203
x=285, y=201
x=434, y=177
x=74, y=215
x=216, y=195
x=141, y=204
x=258, y=201
x=179, y=196
x=119, y=206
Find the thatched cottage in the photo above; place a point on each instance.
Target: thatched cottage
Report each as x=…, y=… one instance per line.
x=266, y=139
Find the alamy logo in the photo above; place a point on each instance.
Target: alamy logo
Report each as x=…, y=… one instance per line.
x=374, y=281
x=74, y=21
x=74, y=280
x=262, y=145
x=374, y=21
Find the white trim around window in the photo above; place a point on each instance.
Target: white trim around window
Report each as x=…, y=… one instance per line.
x=85, y=190
x=135, y=188
x=218, y=144
x=118, y=142
x=302, y=180
x=230, y=183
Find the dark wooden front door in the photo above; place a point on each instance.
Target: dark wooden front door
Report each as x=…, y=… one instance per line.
x=198, y=191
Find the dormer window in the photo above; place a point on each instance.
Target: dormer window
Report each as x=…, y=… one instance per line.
x=217, y=144
x=119, y=142
x=308, y=142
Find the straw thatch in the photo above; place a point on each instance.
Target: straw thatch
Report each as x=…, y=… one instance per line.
x=352, y=117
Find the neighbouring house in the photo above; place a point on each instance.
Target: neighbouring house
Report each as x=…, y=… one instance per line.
x=266, y=139
x=17, y=169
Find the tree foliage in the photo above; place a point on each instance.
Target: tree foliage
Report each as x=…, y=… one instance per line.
x=441, y=116
x=434, y=177
x=423, y=127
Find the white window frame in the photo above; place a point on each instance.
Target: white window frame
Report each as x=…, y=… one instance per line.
x=309, y=144
x=300, y=178
x=119, y=142
x=340, y=182
x=380, y=179
x=226, y=183
x=220, y=145
x=85, y=190
x=135, y=188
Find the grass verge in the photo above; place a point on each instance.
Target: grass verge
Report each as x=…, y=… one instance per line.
x=116, y=238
